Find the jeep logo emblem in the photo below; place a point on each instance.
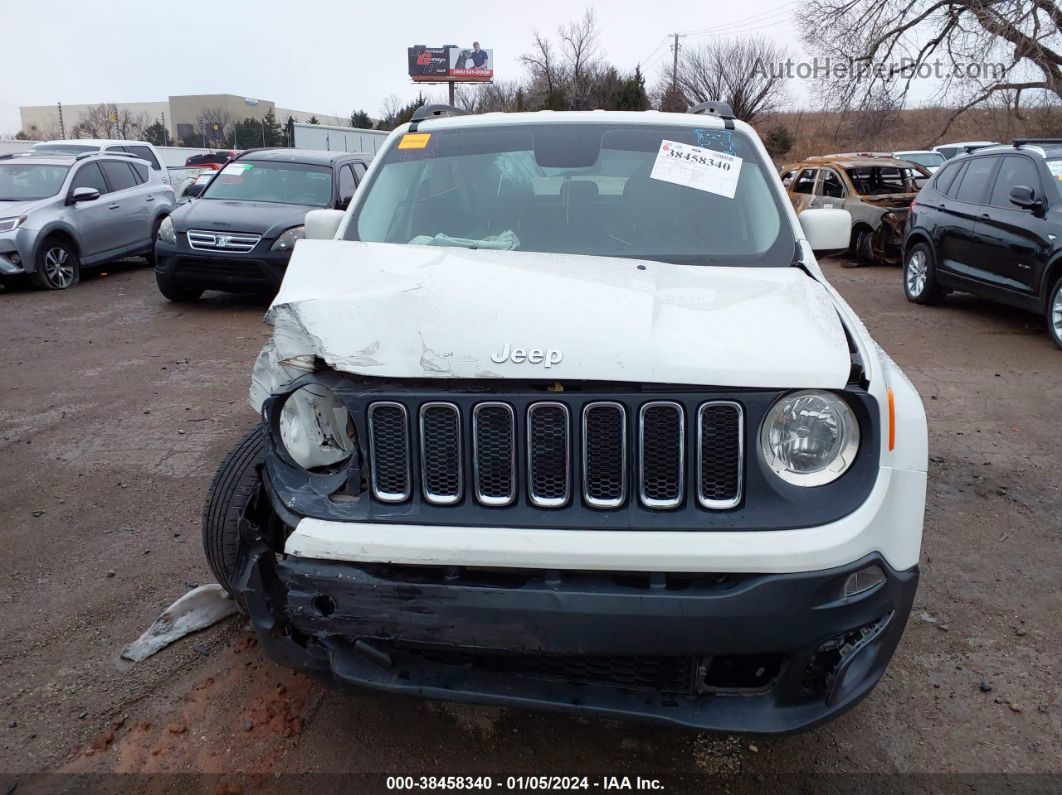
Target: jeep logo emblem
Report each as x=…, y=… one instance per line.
x=534, y=356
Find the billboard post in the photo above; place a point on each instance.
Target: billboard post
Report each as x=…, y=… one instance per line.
x=450, y=64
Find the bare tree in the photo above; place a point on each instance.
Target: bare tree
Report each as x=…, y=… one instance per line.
x=98, y=121
x=579, y=51
x=213, y=124
x=975, y=48
x=736, y=71
x=130, y=126
x=542, y=63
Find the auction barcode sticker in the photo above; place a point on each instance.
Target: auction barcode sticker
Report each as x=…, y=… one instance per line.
x=693, y=167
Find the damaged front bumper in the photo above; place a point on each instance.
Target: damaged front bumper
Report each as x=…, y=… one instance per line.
x=753, y=653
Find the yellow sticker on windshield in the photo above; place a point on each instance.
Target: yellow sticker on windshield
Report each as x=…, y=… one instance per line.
x=414, y=141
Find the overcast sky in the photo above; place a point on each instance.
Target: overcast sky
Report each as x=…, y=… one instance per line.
x=324, y=57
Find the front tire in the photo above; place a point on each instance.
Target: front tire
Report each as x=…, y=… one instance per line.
x=175, y=292
x=864, y=246
x=235, y=484
x=920, y=276
x=1054, y=313
x=57, y=265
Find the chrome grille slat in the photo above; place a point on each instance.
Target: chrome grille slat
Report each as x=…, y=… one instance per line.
x=549, y=474
x=720, y=454
x=604, y=455
x=494, y=453
x=235, y=242
x=661, y=454
x=441, y=465
x=389, y=454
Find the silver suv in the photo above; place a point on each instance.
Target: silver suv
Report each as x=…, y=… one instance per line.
x=62, y=212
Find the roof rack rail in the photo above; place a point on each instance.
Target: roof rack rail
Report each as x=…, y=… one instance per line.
x=1023, y=141
x=713, y=108
x=433, y=112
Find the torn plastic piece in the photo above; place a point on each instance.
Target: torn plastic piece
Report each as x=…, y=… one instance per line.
x=198, y=609
x=505, y=241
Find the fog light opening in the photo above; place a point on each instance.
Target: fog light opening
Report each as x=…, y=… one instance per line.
x=325, y=605
x=863, y=580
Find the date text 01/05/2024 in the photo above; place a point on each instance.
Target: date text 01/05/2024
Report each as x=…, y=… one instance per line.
x=519, y=783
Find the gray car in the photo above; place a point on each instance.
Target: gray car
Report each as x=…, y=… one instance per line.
x=60, y=213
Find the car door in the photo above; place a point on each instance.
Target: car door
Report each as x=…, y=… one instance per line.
x=960, y=211
x=92, y=219
x=1010, y=245
x=829, y=190
x=802, y=190
x=131, y=219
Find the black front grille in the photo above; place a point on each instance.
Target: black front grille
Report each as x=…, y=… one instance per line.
x=666, y=674
x=720, y=452
x=500, y=451
x=389, y=431
x=662, y=469
x=222, y=271
x=605, y=455
x=548, y=461
x=440, y=452
x=494, y=453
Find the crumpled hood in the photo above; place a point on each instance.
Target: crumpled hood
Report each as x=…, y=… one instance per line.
x=420, y=311
x=267, y=219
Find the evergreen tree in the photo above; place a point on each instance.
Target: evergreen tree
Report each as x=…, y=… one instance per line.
x=360, y=119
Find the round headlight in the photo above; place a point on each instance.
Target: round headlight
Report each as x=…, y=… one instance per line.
x=316, y=429
x=809, y=438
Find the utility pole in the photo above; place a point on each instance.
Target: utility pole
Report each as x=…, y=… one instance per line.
x=674, y=63
x=165, y=132
x=263, y=132
x=62, y=129
x=202, y=129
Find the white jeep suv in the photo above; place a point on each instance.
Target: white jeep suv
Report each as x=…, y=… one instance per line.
x=561, y=412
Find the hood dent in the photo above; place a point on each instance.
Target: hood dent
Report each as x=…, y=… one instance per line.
x=420, y=312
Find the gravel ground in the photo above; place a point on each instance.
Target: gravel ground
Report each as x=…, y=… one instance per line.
x=116, y=406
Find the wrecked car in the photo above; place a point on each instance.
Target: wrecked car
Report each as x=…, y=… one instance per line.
x=561, y=413
x=877, y=190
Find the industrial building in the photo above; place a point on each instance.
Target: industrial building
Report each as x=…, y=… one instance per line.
x=184, y=117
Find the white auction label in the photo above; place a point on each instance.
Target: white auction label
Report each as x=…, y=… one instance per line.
x=236, y=169
x=693, y=167
x=1055, y=167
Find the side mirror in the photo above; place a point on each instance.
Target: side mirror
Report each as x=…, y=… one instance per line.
x=323, y=224
x=1026, y=198
x=344, y=202
x=83, y=195
x=193, y=190
x=827, y=230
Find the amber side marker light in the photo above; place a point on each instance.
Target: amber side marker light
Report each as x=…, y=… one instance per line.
x=892, y=419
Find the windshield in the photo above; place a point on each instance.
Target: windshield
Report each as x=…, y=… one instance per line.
x=883, y=180
x=929, y=159
x=27, y=181
x=67, y=149
x=279, y=183
x=671, y=193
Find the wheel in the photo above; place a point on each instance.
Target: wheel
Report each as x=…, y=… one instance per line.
x=234, y=485
x=175, y=292
x=920, y=276
x=1054, y=313
x=864, y=248
x=150, y=256
x=57, y=265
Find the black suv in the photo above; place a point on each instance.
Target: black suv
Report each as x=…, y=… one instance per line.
x=238, y=235
x=990, y=223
